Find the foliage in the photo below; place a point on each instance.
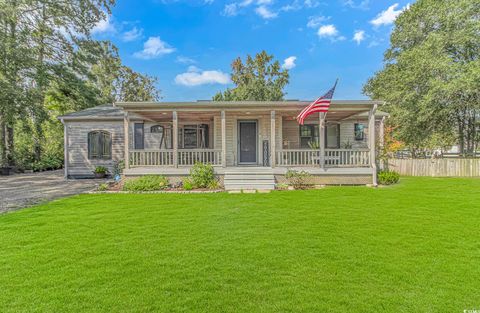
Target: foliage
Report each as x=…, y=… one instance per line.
x=202, y=175
x=431, y=77
x=259, y=78
x=187, y=184
x=49, y=66
x=298, y=179
x=146, y=183
x=100, y=170
x=389, y=147
x=388, y=177
x=103, y=187
x=347, y=145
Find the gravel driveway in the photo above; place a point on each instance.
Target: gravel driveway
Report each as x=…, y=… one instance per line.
x=22, y=190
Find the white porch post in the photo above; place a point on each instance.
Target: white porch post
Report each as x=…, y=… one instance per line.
x=321, y=134
x=224, y=139
x=65, y=147
x=272, y=139
x=126, y=138
x=175, y=138
x=371, y=140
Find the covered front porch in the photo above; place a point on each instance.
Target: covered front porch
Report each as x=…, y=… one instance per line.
x=167, y=139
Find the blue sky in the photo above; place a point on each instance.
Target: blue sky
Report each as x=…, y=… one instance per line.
x=189, y=44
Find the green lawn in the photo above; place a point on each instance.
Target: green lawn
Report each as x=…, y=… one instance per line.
x=414, y=247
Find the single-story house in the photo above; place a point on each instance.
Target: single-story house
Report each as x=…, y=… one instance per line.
x=251, y=144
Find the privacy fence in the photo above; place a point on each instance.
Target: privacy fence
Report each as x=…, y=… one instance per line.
x=436, y=167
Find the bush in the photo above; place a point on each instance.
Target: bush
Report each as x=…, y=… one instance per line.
x=187, y=184
x=103, y=187
x=146, y=183
x=298, y=179
x=202, y=175
x=388, y=177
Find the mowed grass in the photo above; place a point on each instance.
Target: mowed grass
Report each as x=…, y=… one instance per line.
x=414, y=247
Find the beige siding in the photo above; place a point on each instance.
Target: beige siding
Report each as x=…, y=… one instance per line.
x=78, y=162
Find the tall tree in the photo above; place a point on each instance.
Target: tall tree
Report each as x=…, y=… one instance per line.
x=260, y=78
x=431, y=78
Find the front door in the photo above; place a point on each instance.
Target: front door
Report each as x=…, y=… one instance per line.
x=247, y=142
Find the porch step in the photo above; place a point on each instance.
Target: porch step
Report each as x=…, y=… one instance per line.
x=249, y=179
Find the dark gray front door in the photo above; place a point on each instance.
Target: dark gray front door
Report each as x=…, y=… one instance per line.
x=247, y=143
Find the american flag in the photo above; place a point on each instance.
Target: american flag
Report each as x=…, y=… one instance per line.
x=322, y=104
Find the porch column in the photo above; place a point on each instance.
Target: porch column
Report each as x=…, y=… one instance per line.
x=321, y=134
x=272, y=139
x=371, y=142
x=175, y=138
x=224, y=139
x=126, y=138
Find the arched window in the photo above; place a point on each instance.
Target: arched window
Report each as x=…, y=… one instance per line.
x=99, y=145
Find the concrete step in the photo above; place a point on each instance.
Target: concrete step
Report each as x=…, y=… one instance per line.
x=248, y=177
x=254, y=178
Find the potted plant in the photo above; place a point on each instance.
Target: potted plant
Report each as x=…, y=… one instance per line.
x=100, y=172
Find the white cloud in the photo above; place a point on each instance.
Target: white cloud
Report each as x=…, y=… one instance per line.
x=104, y=26
x=388, y=16
x=196, y=77
x=327, y=31
x=154, y=47
x=133, y=34
x=185, y=60
x=359, y=36
x=230, y=9
x=362, y=5
x=265, y=12
x=289, y=63
x=315, y=21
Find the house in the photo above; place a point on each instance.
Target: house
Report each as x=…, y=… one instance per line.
x=251, y=144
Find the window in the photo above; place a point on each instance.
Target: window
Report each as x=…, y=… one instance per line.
x=99, y=145
x=193, y=136
x=166, y=138
x=139, y=137
x=359, y=132
x=308, y=135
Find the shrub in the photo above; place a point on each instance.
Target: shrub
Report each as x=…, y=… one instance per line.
x=388, y=177
x=103, y=187
x=298, y=179
x=187, y=184
x=146, y=183
x=202, y=175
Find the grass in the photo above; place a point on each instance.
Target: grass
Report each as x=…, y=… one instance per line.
x=413, y=247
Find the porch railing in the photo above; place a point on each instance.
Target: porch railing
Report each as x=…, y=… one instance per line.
x=151, y=157
x=165, y=157
x=347, y=158
x=333, y=157
x=191, y=156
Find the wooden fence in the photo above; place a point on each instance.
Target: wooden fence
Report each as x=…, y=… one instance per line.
x=436, y=167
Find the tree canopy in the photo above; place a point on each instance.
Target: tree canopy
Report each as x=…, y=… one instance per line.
x=49, y=65
x=431, y=77
x=260, y=78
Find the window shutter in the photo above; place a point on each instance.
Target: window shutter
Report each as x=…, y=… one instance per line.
x=107, y=146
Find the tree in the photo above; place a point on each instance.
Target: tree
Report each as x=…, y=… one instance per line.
x=259, y=78
x=431, y=77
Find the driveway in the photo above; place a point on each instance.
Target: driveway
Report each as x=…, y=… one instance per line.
x=22, y=190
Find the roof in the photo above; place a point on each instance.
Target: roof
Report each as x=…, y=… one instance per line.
x=116, y=112
x=105, y=111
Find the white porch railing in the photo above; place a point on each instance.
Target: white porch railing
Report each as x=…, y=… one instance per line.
x=151, y=157
x=333, y=157
x=165, y=157
x=298, y=157
x=347, y=157
x=191, y=156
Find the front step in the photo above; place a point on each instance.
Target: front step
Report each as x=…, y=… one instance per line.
x=249, y=179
